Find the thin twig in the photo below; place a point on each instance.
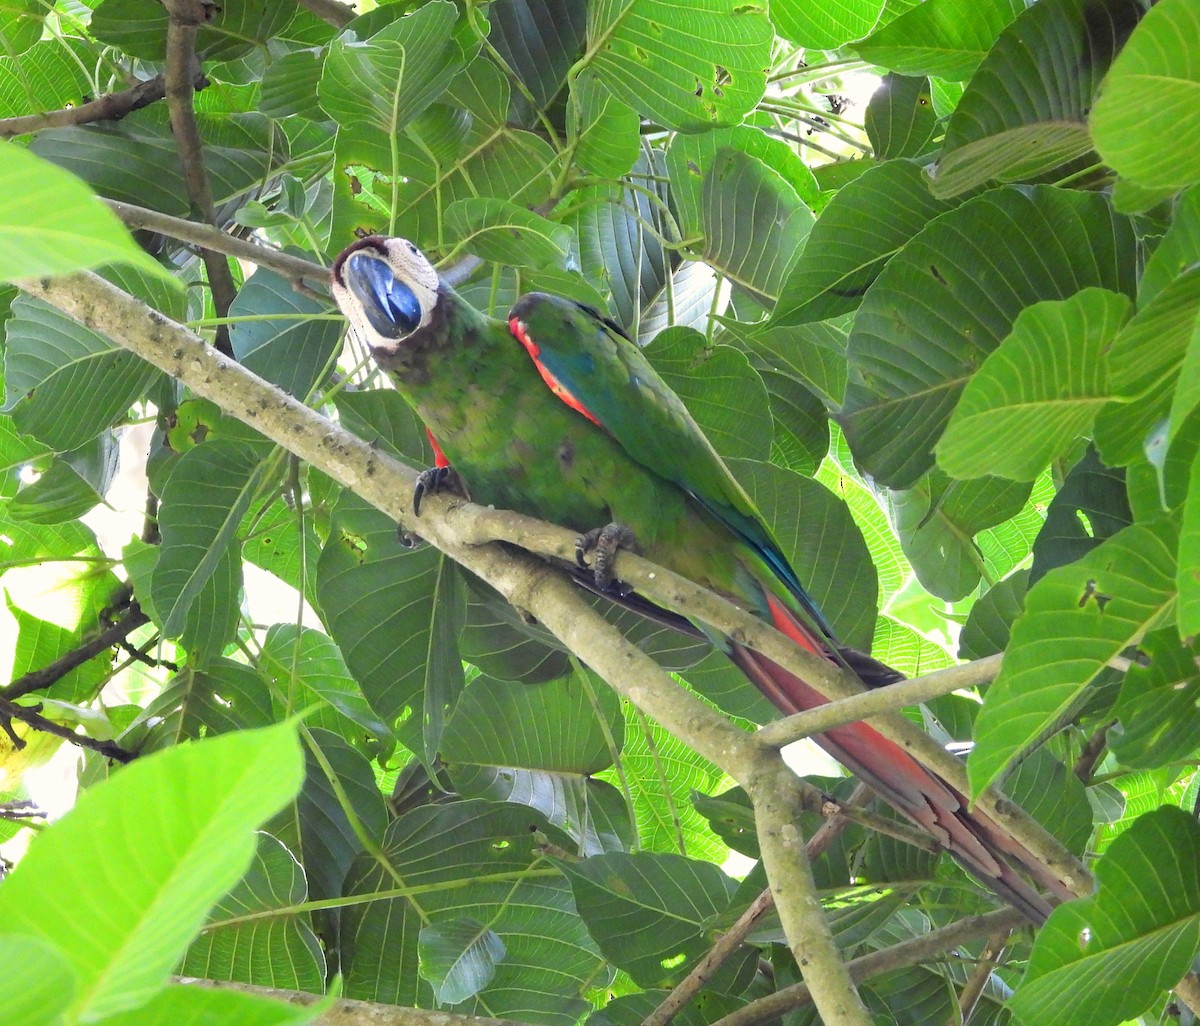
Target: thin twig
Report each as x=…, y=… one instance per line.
x=185, y=19
x=37, y=680
x=888, y=698
x=732, y=938
x=973, y=989
x=1092, y=752
x=31, y=716
x=928, y=947
x=20, y=810
x=110, y=107
x=207, y=237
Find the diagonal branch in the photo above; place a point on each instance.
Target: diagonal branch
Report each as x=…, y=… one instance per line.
x=110, y=107
x=31, y=716
x=332, y=11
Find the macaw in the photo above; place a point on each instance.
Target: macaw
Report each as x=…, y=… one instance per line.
x=556, y=413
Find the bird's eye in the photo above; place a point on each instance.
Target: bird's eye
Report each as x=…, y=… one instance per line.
x=389, y=304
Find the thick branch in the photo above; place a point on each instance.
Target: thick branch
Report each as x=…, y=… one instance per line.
x=810, y=938
x=36, y=680
x=110, y=107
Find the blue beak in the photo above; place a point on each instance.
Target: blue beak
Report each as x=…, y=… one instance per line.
x=390, y=305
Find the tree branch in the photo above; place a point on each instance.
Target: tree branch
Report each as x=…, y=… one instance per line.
x=336, y=14
x=928, y=947
x=110, y=107
x=31, y=716
x=36, y=680
x=185, y=18
x=972, y=991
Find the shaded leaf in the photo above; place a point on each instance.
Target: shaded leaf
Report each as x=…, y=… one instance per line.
x=900, y=117
x=458, y=957
x=1158, y=704
x=506, y=233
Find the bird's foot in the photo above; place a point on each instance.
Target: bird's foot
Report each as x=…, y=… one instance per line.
x=604, y=543
x=432, y=481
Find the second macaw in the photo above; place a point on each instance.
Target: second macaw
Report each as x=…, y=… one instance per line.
x=555, y=413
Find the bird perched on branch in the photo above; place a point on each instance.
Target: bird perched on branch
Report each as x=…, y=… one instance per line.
x=556, y=413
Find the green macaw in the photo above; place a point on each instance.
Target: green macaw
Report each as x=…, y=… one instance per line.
x=555, y=413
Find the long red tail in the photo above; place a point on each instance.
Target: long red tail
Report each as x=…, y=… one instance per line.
x=979, y=844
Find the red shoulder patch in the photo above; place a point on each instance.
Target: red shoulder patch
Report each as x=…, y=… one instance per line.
x=521, y=334
x=439, y=457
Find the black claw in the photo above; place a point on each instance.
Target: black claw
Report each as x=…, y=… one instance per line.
x=429, y=482
x=605, y=542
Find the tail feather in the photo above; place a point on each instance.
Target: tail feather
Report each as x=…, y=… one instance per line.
x=977, y=843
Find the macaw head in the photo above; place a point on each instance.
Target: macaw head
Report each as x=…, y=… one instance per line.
x=386, y=288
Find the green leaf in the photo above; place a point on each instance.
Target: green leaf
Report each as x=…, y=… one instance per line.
x=234, y=29
x=21, y=25
x=1090, y=506
x=290, y=352
x=395, y=614
x=39, y=992
x=184, y=814
x=1047, y=789
x=276, y=948
x=539, y=745
x=691, y=74
x=506, y=233
x=1145, y=360
x=930, y=319
x=754, y=223
x=1104, y=959
x=1039, y=392
x=720, y=389
x=825, y=26
x=387, y=79
x=47, y=76
x=937, y=520
x=458, y=957
x=136, y=159
x=289, y=85
x=1187, y=573
x=603, y=130
x=648, y=912
x=900, y=117
x=866, y=223
x=203, y=503
x=74, y=483
x=1024, y=112
x=1076, y=619
x=944, y=38
x=540, y=39
x=989, y=624
x=812, y=355
x=1154, y=145
x=188, y=1005
x=1157, y=708
x=51, y=223
x=469, y=859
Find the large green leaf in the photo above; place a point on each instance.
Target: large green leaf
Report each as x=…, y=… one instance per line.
x=388, y=78
x=900, y=117
x=648, y=912
x=866, y=223
x=692, y=68
x=51, y=223
x=539, y=745
x=825, y=26
x=395, y=614
x=506, y=233
x=539, y=39
x=754, y=223
x=117, y=859
x=40, y=992
x=50, y=359
x=1156, y=145
x=275, y=948
x=469, y=859
x=235, y=27
x=48, y=76
x=1038, y=392
x=946, y=38
x=203, y=503
x=1157, y=708
x=931, y=317
x=1101, y=960
x=136, y=159
x=603, y=130
x=1024, y=112
x=290, y=352
x=188, y=1005
x=458, y=957
x=1076, y=619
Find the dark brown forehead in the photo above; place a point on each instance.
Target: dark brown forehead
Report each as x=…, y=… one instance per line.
x=374, y=243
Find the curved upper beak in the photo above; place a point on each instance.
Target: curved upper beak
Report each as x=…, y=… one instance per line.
x=390, y=306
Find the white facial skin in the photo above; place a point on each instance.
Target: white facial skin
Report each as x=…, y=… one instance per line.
x=408, y=265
